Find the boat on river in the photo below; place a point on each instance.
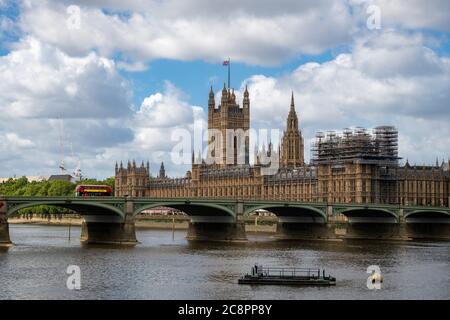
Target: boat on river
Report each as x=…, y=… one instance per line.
x=287, y=276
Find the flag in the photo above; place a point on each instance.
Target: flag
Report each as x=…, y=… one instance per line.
x=226, y=62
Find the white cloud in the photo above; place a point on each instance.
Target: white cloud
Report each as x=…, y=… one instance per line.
x=388, y=77
x=369, y=87
x=153, y=124
x=40, y=81
x=13, y=140
x=255, y=32
x=411, y=14
x=38, y=84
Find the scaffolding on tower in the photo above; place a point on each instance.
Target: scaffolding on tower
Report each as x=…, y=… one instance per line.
x=380, y=146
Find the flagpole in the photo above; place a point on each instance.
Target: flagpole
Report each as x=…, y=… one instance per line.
x=229, y=73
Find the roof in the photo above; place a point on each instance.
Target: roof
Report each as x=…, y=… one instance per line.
x=60, y=177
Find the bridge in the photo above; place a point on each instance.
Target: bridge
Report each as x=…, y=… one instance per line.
x=111, y=219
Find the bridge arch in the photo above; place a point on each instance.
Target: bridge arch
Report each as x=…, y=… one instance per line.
x=191, y=208
x=293, y=211
x=369, y=215
x=427, y=216
x=95, y=208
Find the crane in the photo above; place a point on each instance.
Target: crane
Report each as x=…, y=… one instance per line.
x=61, y=146
x=77, y=171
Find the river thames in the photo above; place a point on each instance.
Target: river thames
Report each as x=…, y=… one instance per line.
x=166, y=266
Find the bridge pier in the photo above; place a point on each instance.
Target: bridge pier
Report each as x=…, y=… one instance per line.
x=376, y=231
x=223, y=229
x=98, y=229
x=4, y=231
x=428, y=231
x=4, y=226
x=297, y=228
x=95, y=230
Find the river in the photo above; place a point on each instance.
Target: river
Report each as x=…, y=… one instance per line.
x=166, y=266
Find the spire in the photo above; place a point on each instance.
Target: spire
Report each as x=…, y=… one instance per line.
x=437, y=162
x=246, y=103
x=148, y=167
x=121, y=164
x=162, y=171
x=224, y=99
x=292, y=102
x=211, y=100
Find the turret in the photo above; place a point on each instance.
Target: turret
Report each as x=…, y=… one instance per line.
x=162, y=171
x=211, y=101
x=246, y=102
x=224, y=99
x=292, y=116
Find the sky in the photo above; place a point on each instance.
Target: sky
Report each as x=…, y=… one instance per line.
x=95, y=81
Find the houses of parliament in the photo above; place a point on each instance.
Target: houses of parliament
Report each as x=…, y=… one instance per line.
x=352, y=166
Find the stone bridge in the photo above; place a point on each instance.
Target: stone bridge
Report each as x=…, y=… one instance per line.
x=111, y=219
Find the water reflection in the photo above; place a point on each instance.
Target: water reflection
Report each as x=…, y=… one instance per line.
x=164, y=268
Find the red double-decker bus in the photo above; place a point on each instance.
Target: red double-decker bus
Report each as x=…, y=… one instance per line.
x=93, y=191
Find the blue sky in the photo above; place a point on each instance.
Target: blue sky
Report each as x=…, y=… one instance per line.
x=122, y=77
x=195, y=77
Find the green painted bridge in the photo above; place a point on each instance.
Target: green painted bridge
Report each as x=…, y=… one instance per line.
x=112, y=218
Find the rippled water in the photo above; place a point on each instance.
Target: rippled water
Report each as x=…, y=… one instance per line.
x=165, y=268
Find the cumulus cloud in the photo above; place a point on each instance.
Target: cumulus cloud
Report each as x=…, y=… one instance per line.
x=160, y=116
x=412, y=14
x=369, y=87
x=41, y=87
x=389, y=76
x=37, y=77
x=49, y=98
x=255, y=32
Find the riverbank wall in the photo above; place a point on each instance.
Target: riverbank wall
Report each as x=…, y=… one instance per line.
x=263, y=225
x=333, y=230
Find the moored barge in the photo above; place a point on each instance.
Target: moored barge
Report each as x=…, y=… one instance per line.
x=287, y=276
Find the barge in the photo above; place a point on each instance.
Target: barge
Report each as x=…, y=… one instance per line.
x=287, y=276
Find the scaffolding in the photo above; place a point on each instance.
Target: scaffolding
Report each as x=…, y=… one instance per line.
x=358, y=144
x=386, y=138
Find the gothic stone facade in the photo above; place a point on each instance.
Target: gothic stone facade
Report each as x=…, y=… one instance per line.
x=364, y=177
